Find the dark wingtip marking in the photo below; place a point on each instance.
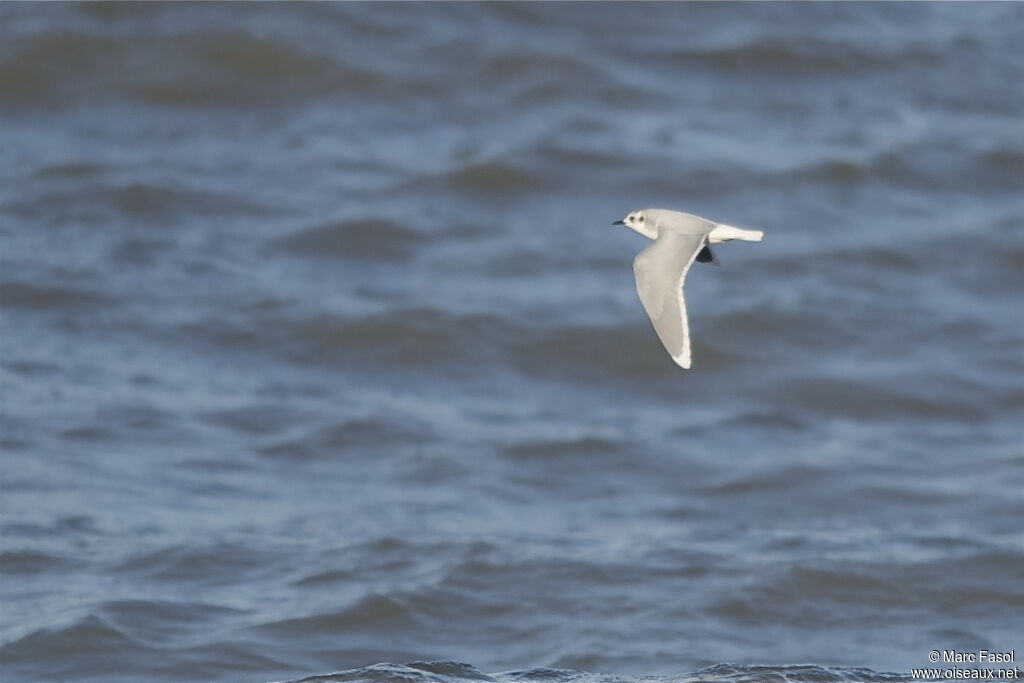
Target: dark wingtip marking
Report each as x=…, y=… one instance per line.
x=705, y=255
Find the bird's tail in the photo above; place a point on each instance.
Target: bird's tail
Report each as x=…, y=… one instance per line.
x=723, y=233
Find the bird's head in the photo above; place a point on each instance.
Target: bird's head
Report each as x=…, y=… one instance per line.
x=639, y=222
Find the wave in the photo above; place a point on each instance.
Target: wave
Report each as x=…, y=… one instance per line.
x=85, y=643
x=207, y=565
x=238, y=68
x=812, y=595
x=355, y=238
x=484, y=179
x=806, y=56
x=136, y=636
x=27, y=295
x=364, y=434
x=428, y=336
x=141, y=203
x=872, y=399
x=456, y=672
x=476, y=342
x=384, y=613
x=28, y=562
x=43, y=68
x=211, y=67
x=584, y=446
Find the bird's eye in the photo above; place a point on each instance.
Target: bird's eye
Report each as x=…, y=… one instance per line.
x=640, y=218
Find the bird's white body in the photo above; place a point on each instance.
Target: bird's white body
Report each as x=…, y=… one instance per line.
x=648, y=222
x=679, y=239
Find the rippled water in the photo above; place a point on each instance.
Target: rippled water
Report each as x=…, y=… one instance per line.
x=318, y=349
x=454, y=672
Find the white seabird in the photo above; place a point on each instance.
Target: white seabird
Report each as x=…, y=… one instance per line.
x=679, y=239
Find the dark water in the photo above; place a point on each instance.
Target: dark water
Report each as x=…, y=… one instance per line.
x=318, y=350
x=454, y=672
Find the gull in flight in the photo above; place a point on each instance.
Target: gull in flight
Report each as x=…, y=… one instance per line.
x=679, y=239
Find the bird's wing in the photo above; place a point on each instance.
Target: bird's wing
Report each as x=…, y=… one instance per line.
x=660, y=270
